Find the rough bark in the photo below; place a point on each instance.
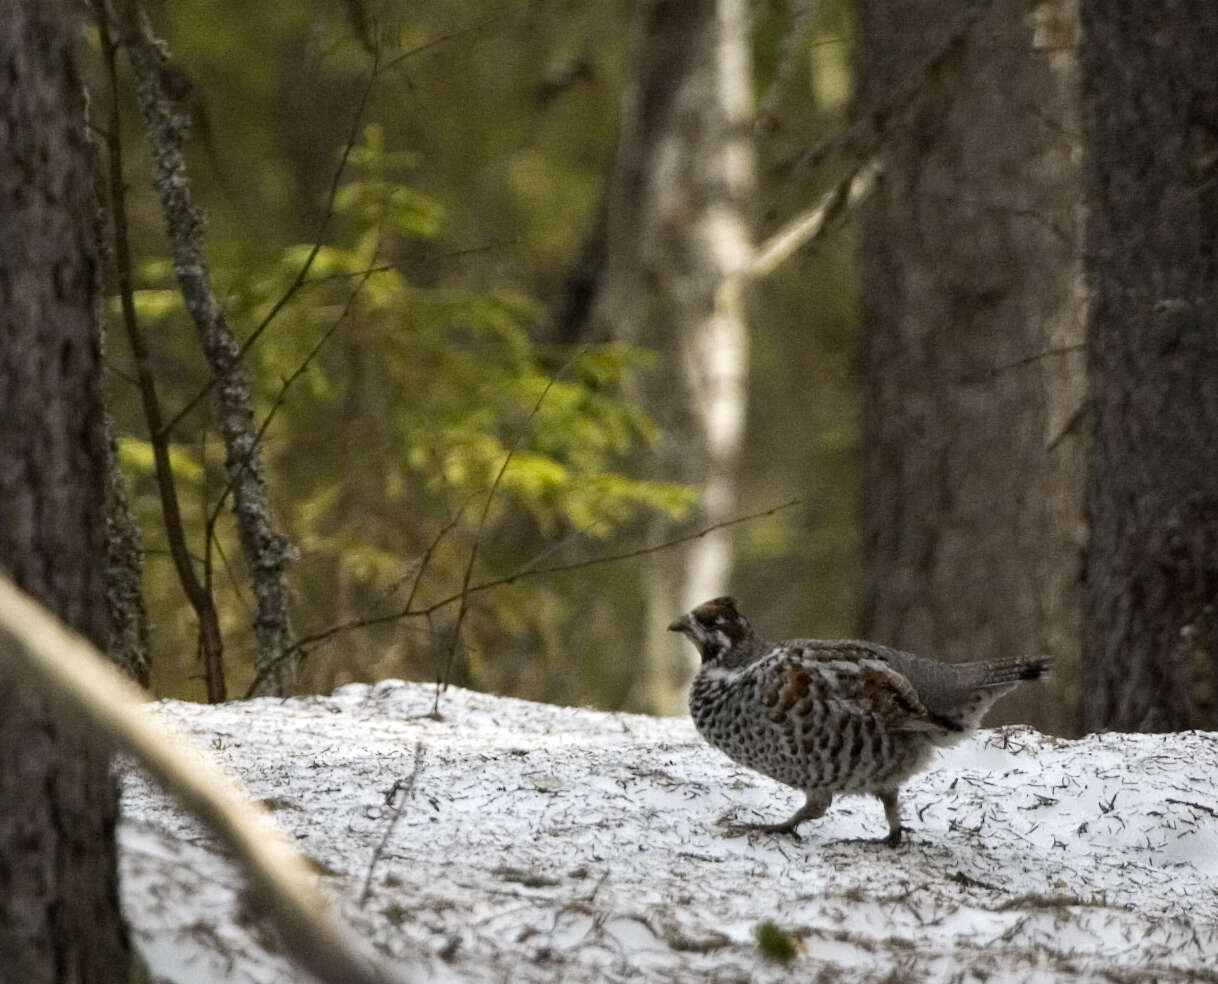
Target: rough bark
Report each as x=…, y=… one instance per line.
x=59, y=916
x=972, y=519
x=266, y=552
x=675, y=232
x=127, y=638
x=1150, y=120
x=211, y=642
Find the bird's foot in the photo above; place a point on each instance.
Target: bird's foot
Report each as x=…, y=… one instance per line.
x=892, y=840
x=733, y=828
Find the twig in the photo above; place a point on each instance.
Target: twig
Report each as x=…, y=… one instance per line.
x=309, y=642
x=396, y=799
x=1196, y=806
x=285, y=385
x=347, y=275
x=486, y=508
x=450, y=36
x=1022, y=361
x=610, y=558
x=363, y=623
x=318, y=240
x=1071, y=423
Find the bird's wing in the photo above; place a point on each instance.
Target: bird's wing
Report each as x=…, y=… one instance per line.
x=862, y=679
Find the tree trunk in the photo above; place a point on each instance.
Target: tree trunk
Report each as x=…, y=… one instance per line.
x=59, y=916
x=1150, y=121
x=971, y=505
x=267, y=553
x=127, y=638
x=675, y=232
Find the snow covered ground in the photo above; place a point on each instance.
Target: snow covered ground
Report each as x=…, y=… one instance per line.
x=541, y=843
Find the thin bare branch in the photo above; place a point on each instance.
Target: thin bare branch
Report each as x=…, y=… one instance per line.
x=453, y=35
x=286, y=384
x=318, y=241
x=486, y=508
x=608, y=559
x=527, y=573
x=396, y=800
x=306, y=643
x=1022, y=361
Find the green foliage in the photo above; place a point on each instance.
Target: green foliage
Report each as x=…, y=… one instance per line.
x=774, y=943
x=456, y=386
x=417, y=415
x=474, y=186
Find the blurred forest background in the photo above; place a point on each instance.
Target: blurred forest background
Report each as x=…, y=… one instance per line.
x=799, y=288
x=484, y=143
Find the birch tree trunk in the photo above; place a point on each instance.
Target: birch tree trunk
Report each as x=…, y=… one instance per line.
x=1150, y=115
x=971, y=508
x=59, y=915
x=676, y=230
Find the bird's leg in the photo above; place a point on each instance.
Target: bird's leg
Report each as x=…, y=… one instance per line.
x=815, y=805
x=892, y=811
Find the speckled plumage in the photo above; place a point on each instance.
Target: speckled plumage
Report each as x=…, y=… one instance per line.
x=829, y=717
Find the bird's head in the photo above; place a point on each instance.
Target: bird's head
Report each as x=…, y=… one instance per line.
x=715, y=627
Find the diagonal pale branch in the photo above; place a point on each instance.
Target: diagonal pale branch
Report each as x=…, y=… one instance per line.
x=266, y=551
x=849, y=191
x=63, y=666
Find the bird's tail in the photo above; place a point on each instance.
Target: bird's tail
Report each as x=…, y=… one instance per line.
x=1015, y=669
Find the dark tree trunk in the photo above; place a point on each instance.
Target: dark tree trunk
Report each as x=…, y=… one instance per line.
x=1150, y=122
x=971, y=504
x=59, y=916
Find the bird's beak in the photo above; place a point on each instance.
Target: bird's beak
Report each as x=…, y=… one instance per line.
x=680, y=625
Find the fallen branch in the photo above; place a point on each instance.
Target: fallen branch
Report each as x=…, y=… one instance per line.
x=93, y=694
x=396, y=800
